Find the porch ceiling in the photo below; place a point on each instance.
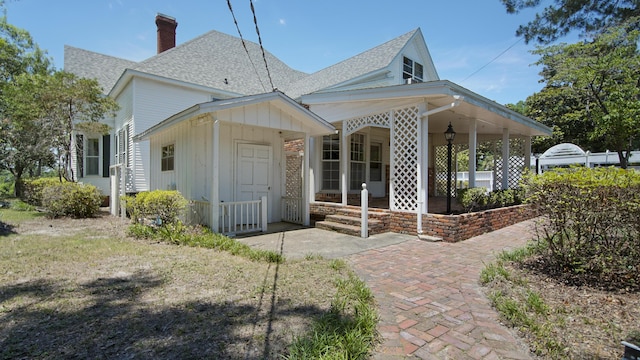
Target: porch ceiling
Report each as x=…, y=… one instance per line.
x=491, y=117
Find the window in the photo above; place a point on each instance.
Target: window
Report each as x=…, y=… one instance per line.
x=331, y=162
x=375, y=164
x=412, y=70
x=92, y=160
x=358, y=165
x=167, y=157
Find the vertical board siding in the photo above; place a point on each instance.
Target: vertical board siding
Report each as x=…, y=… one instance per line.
x=154, y=103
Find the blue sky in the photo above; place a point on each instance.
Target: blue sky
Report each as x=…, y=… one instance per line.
x=463, y=36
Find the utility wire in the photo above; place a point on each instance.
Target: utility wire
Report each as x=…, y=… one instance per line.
x=494, y=59
x=255, y=21
x=244, y=45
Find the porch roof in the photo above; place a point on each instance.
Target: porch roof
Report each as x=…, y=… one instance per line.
x=491, y=117
x=307, y=121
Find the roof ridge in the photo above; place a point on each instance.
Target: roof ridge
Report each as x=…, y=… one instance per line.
x=101, y=54
x=412, y=32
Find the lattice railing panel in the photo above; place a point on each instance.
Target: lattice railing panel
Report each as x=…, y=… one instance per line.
x=516, y=161
x=404, y=171
x=441, y=168
x=379, y=120
x=496, y=147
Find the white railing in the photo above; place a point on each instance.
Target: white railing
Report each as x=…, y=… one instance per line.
x=198, y=212
x=243, y=216
x=292, y=209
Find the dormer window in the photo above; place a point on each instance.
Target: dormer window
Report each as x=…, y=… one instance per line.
x=412, y=70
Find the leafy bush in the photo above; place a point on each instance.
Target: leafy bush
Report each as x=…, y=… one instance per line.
x=22, y=206
x=475, y=199
x=32, y=192
x=592, y=230
x=71, y=199
x=163, y=206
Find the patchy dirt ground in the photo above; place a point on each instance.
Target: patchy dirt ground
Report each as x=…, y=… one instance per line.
x=586, y=323
x=82, y=289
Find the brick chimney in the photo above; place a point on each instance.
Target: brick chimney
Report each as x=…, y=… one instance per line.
x=166, y=32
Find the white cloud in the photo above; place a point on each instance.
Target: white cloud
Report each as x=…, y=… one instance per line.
x=282, y=22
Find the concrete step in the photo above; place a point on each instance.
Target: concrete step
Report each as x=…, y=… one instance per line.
x=351, y=220
x=338, y=227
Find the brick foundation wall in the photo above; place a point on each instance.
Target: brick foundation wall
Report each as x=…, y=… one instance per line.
x=454, y=228
x=451, y=228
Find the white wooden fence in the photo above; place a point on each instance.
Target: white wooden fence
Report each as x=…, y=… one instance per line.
x=292, y=209
x=235, y=217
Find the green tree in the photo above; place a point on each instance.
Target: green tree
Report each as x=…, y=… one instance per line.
x=22, y=63
x=585, y=16
x=72, y=104
x=592, y=91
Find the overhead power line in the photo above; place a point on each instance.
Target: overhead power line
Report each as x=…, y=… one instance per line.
x=266, y=66
x=494, y=59
x=244, y=45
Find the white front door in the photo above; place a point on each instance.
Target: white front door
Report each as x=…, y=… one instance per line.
x=253, y=172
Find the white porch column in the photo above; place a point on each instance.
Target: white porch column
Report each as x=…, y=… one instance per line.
x=505, y=158
x=215, y=181
x=473, y=144
x=344, y=159
x=423, y=163
x=527, y=153
x=306, y=182
x=313, y=164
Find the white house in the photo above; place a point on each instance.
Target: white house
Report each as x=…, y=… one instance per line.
x=207, y=121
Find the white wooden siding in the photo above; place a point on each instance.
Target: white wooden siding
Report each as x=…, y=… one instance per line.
x=154, y=102
x=193, y=160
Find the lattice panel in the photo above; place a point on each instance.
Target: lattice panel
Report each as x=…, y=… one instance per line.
x=516, y=161
x=441, y=168
x=379, y=120
x=404, y=171
x=496, y=146
x=293, y=180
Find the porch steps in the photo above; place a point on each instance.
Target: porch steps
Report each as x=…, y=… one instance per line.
x=347, y=221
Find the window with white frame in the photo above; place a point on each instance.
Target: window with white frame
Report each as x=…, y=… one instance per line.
x=167, y=157
x=92, y=159
x=412, y=70
x=375, y=162
x=357, y=174
x=331, y=162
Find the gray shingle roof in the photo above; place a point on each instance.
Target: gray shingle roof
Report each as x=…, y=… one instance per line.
x=364, y=63
x=213, y=57
x=106, y=69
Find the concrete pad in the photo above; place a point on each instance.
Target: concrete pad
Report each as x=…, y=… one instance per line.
x=299, y=242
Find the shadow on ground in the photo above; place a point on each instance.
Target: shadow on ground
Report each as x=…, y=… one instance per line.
x=109, y=318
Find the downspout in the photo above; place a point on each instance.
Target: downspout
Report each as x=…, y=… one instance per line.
x=457, y=100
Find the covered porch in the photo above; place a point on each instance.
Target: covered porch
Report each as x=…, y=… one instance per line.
x=491, y=147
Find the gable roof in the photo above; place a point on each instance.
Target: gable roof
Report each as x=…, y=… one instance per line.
x=88, y=64
x=363, y=64
x=314, y=124
x=214, y=57
x=218, y=61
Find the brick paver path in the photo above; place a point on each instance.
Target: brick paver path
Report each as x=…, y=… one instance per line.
x=430, y=302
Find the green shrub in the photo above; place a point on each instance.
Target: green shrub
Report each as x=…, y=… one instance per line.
x=22, y=206
x=32, y=191
x=163, y=206
x=71, y=199
x=592, y=230
x=475, y=199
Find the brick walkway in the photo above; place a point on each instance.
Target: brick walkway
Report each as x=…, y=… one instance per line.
x=430, y=302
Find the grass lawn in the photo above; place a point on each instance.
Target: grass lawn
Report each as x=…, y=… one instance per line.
x=83, y=289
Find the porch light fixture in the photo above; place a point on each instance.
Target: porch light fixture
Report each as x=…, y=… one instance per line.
x=449, y=135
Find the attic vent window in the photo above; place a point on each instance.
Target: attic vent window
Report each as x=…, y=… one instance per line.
x=412, y=70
